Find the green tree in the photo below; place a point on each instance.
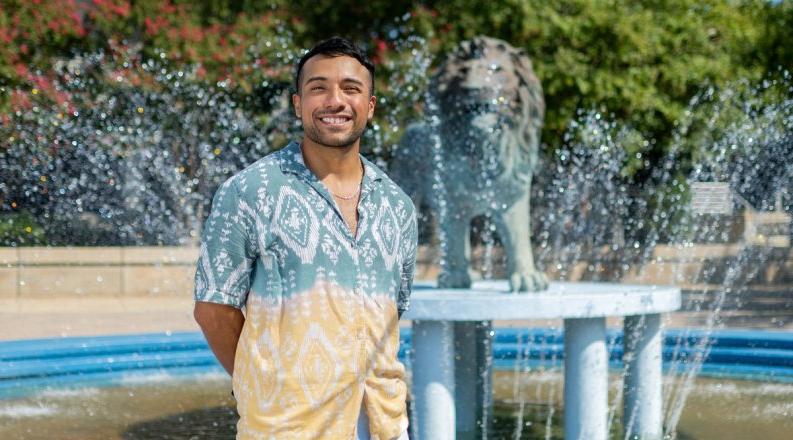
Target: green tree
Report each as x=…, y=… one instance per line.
x=641, y=61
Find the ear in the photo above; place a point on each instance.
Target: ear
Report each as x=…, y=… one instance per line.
x=296, y=104
x=372, y=102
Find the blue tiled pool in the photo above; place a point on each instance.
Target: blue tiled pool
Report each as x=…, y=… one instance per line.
x=30, y=365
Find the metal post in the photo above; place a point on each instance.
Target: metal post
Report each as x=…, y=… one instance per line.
x=643, y=379
x=433, y=379
x=585, y=379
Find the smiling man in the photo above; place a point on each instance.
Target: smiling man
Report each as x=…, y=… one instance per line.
x=318, y=246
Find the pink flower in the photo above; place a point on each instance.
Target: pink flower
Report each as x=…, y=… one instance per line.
x=21, y=69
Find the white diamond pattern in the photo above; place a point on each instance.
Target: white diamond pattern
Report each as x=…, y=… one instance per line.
x=296, y=224
x=318, y=365
x=268, y=383
x=385, y=230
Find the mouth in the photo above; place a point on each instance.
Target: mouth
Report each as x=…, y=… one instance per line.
x=335, y=120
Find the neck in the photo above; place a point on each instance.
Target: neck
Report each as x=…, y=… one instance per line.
x=341, y=164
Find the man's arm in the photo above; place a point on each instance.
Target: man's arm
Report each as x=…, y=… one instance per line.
x=410, y=243
x=222, y=326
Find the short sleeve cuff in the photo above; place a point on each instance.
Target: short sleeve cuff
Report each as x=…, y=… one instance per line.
x=219, y=297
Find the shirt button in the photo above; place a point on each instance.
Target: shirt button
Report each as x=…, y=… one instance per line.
x=361, y=335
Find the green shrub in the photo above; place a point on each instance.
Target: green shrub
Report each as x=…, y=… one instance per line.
x=20, y=229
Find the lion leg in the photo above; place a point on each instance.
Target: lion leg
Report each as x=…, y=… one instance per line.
x=514, y=229
x=456, y=252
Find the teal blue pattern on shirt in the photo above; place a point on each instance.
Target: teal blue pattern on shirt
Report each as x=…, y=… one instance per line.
x=275, y=230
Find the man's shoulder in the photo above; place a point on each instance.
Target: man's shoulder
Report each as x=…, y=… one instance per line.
x=260, y=174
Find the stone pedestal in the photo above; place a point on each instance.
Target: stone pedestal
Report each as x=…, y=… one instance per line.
x=584, y=307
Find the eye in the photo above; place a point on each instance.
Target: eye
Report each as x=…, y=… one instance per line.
x=318, y=88
x=351, y=89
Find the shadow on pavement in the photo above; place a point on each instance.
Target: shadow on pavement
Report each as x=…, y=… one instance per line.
x=211, y=423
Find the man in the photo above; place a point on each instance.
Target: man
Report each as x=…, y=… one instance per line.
x=318, y=245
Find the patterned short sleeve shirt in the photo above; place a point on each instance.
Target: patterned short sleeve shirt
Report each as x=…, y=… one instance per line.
x=322, y=306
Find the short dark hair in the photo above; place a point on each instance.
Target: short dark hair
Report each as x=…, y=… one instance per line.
x=335, y=47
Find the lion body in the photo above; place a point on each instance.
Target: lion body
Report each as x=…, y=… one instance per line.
x=489, y=109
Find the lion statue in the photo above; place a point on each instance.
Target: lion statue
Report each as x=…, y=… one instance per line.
x=485, y=111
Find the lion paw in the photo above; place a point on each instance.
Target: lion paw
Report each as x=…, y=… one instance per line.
x=528, y=282
x=455, y=279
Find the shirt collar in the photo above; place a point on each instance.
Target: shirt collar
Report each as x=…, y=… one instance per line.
x=291, y=161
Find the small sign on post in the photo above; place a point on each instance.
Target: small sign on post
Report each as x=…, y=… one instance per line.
x=711, y=198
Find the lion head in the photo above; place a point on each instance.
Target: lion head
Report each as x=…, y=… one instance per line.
x=491, y=107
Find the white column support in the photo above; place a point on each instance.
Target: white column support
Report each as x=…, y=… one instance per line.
x=466, y=372
x=642, y=393
x=433, y=379
x=585, y=379
x=584, y=307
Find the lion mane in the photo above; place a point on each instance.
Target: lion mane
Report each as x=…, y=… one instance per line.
x=481, y=79
x=461, y=89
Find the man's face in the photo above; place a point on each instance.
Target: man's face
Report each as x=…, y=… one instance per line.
x=334, y=100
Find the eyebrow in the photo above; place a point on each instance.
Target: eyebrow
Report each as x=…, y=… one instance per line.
x=315, y=78
x=323, y=78
x=353, y=80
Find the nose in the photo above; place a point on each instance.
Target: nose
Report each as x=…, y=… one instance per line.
x=333, y=98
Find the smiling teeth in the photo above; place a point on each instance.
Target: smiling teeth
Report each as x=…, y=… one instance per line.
x=334, y=120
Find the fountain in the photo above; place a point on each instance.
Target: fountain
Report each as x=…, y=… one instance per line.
x=486, y=115
x=143, y=188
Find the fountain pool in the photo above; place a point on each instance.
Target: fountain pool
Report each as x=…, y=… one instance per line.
x=165, y=406
x=151, y=386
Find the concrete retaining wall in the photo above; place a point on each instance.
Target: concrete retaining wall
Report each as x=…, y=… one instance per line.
x=96, y=271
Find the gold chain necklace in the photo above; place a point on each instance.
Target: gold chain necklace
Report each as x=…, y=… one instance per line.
x=349, y=197
x=353, y=195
